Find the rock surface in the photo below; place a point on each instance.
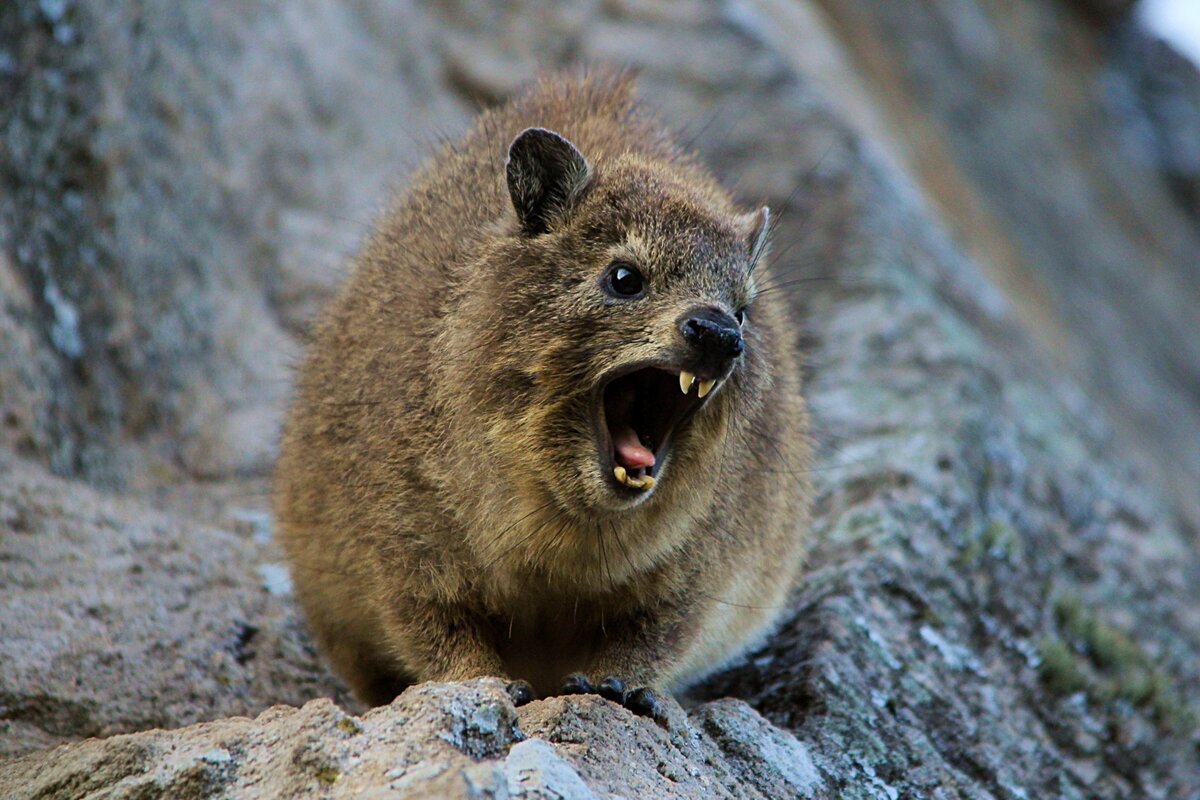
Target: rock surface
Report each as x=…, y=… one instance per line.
x=1000, y=606
x=438, y=740
x=180, y=186
x=1067, y=158
x=116, y=618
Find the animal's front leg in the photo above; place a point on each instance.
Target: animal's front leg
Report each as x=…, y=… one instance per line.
x=449, y=643
x=632, y=664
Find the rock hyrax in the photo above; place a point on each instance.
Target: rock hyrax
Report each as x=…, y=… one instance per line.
x=547, y=428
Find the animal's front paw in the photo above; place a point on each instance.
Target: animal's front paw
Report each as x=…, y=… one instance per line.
x=576, y=683
x=612, y=688
x=642, y=701
x=520, y=692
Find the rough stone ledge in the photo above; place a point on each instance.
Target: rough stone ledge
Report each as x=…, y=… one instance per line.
x=435, y=740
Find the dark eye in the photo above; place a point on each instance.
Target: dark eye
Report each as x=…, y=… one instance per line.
x=624, y=280
x=740, y=316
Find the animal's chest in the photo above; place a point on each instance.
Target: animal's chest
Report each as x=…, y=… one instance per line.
x=545, y=642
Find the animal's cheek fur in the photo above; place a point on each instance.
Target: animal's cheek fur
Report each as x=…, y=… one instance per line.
x=568, y=471
x=548, y=436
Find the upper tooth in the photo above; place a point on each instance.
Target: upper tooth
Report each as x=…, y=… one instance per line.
x=706, y=387
x=619, y=472
x=685, y=381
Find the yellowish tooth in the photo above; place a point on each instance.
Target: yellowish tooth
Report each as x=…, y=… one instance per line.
x=706, y=387
x=685, y=381
x=640, y=482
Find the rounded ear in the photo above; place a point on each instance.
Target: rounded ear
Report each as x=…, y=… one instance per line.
x=545, y=175
x=756, y=227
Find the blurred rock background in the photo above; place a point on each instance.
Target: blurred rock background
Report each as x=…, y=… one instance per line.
x=992, y=217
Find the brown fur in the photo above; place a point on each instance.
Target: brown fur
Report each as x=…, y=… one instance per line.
x=438, y=493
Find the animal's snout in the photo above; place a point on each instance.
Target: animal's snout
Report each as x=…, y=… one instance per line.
x=715, y=336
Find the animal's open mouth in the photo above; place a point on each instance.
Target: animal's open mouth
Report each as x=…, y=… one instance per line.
x=638, y=414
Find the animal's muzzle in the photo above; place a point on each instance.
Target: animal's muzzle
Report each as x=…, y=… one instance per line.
x=715, y=338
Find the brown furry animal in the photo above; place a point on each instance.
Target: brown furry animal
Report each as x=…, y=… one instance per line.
x=546, y=427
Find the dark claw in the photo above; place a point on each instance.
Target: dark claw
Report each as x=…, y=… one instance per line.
x=645, y=703
x=576, y=683
x=520, y=692
x=612, y=688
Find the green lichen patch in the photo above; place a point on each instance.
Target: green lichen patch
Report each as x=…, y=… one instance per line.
x=1108, y=647
x=998, y=539
x=1059, y=668
x=1098, y=658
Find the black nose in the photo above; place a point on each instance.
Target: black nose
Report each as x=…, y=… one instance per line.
x=716, y=335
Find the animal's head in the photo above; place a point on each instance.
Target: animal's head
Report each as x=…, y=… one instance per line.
x=612, y=336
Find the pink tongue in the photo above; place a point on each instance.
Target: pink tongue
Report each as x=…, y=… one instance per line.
x=631, y=453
